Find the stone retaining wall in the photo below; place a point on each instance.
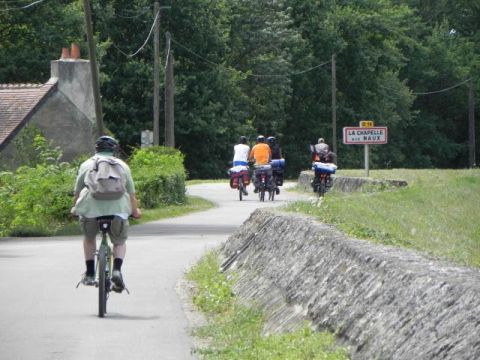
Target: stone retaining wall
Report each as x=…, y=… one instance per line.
x=347, y=183
x=382, y=302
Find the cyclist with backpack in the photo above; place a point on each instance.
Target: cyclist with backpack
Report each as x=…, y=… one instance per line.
x=321, y=152
x=104, y=186
x=240, y=164
x=260, y=155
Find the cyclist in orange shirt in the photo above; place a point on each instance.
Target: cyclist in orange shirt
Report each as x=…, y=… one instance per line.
x=261, y=152
x=262, y=155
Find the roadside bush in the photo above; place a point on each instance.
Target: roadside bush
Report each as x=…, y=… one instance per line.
x=36, y=201
x=159, y=176
x=6, y=209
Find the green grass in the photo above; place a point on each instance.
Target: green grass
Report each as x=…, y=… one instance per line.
x=192, y=204
x=235, y=331
x=199, y=181
x=437, y=213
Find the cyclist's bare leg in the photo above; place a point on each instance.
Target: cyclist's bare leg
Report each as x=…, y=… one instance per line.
x=119, y=251
x=89, y=248
x=89, y=251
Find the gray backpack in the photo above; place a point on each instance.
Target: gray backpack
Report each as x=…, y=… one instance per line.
x=106, y=180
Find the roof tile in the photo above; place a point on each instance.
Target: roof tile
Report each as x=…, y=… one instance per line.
x=17, y=103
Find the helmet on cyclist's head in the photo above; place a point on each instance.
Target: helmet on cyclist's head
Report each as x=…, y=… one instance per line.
x=106, y=143
x=321, y=140
x=242, y=140
x=261, y=138
x=271, y=139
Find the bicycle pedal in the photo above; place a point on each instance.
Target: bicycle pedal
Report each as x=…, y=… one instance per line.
x=117, y=289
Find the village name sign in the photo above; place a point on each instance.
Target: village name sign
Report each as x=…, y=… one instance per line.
x=366, y=134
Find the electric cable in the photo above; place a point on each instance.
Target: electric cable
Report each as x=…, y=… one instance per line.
x=168, y=52
x=194, y=53
x=133, y=14
x=22, y=7
x=293, y=74
x=144, y=43
x=443, y=90
x=251, y=75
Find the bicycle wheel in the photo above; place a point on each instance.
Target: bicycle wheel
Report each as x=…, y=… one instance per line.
x=102, y=281
x=240, y=188
x=262, y=192
x=271, y=194
x=322, y=188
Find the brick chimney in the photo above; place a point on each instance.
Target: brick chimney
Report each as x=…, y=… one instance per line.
x=74, y=80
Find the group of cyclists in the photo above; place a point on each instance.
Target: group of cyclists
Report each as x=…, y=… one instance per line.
x=266, y=150
x=261, y=155
x=88, y=207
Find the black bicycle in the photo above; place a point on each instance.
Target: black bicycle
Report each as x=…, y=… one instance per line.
x=242, y=184
x=272, y=190
x=104, y=265
x=322, y=182
x=262, y=178
x=104, y=262
x=241, y=188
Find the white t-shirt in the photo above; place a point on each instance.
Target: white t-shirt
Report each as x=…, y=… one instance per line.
x=241, y=152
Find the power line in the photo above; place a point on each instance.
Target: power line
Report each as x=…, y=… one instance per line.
x=194, y=53
x=293, y=74
x=10, y=2
x=133, y=15
x=252, y=75
x=130, y=17
x=168, y=51
x=395, y=91
x=144, y=43
x=443, y=90
x=13, y=1
x=22, y=7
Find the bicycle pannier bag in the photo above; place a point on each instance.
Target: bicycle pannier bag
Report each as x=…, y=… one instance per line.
x=107, y=179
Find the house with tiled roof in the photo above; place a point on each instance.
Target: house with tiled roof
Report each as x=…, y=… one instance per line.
x=62, y=109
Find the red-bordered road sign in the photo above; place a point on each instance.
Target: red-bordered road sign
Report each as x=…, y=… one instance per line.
x=365, y=135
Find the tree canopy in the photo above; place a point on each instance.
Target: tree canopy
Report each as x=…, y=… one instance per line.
x=247, y=67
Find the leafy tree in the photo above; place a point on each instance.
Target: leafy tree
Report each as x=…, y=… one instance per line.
x=387, y=52
x=367, y=38
x=30, y=37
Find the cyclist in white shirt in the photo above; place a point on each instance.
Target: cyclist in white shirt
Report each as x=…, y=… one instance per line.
x=240, y=157
x=241, y=151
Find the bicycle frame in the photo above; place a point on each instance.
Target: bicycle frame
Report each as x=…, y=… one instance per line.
x=104, y=266
x=240, y=187
x=321, y=183
x=262, y=177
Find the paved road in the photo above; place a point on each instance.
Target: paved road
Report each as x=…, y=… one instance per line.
x=43, y=316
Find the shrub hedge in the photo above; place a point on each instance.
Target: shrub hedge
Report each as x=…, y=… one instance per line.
x=36, y=201
x=159, y=176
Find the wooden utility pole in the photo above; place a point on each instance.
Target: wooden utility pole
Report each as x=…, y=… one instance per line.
x=93, y=67
x=156, y=75
x=334, y=106
x=169, y=96
x=471, y=125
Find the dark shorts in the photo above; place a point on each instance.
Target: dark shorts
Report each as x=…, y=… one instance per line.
x=118, y=231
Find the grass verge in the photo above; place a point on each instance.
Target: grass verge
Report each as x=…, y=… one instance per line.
x=199, y=181
x=437, y=213
x=234, y=331
x=192, y=204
